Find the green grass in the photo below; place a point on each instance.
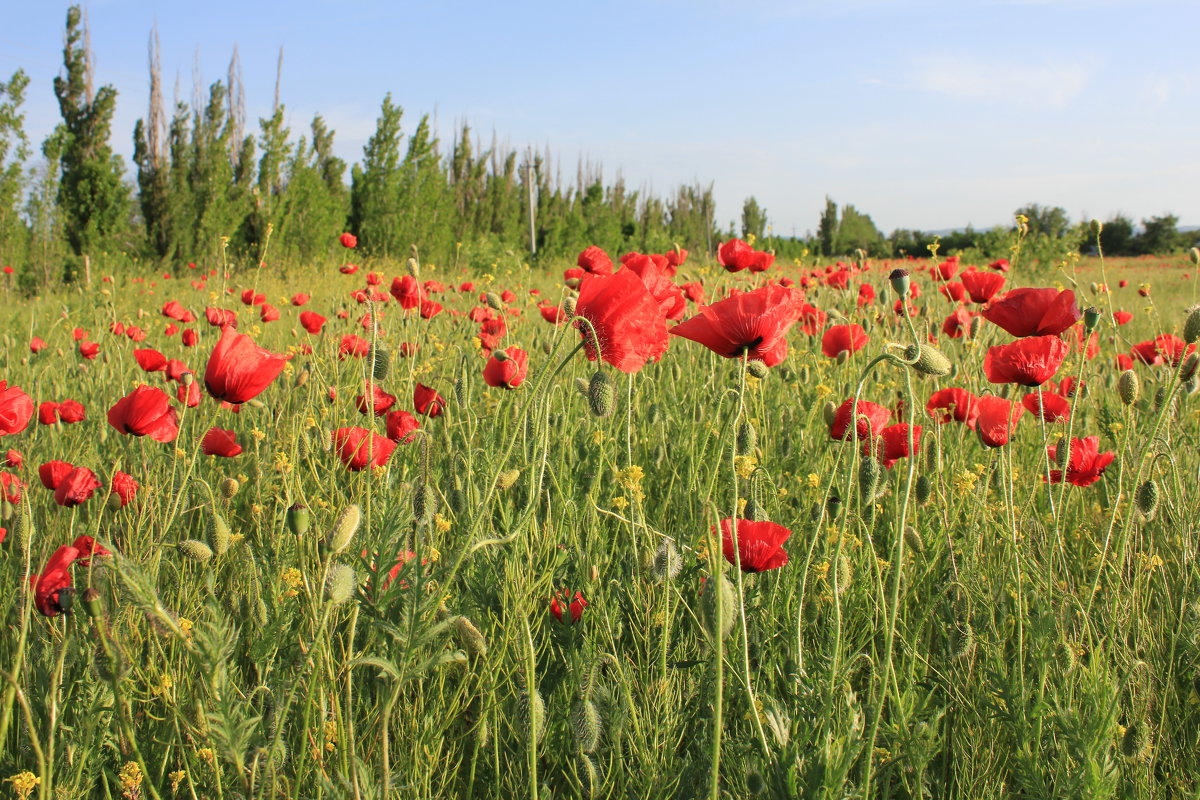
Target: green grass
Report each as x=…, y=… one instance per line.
x=966, y=644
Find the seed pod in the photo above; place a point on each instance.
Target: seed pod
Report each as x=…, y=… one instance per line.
x=343, y=530
x=1146, y=498
x=425, y=504
x=23, y=532
x=758, y=369
x=340, y=584
x=667, y=562
x=924, y=489
x=1191, y=328
x=1129, y=387
x=229, y=488
x=928, y=360
x=380, y=361
x=868, y=478
x=586, y=725
x=602, y=395
x=747, y=438
x=1091, y=317
x=833, y=505
x=195, y=549
x=469, y=637
x=298, y=519
x=533, y=712
x=91, y=602
x=900, y=282
x=218, y=532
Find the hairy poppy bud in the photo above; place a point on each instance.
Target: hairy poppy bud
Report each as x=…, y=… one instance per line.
x=533, y=713
x=229, y=488
x=343, y=529
x=586, y=725
x=569, y=306
x=507, y=479
x=845, y=572
x=1194, y=255
x=493, y=300
x=924, y=489
x=602, y=395
x=1129, y=387
x=1062, y=453
x=298, y=519
x=900, y=281
x=1146, y=498
x=868, y=478
x=667, y=563
x=414, y=267
x=1191, y=328
x=195, y=549
x=380, y=360
x=340, y=584
x=1136, y=741
x=747, y=438
x=218, y=532
x=928, y=360
x=302, y=376
x=469, y=637
x=1188, y=371
x=913, y=539
x=723, y=594
x=758, y=369
x=425, y=504
x=829, y=413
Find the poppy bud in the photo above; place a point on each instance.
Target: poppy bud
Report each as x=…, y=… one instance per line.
x=218, y=533
x=414, y=267
x=229, y=488
x=1091, y=317
x=928, y=360
x=380, y=360
x=302, y=376
x=965, y=644
x=493, y=300
x=842, y=357
x=507, y=479
x=900, y=281
x=586, y=725
x=667, y=563
x=469, y=637
x=1146, y=498
x=1062, y=454
x=833, y=505
x=500, y=355
x=340, y=584
x=187, y=379
x=602, y=395
x=868, y=478
x=755, y=783
x=195, y=549
x=1194, y=255
x=91, y=603
x=1136, y=741
x=425, y=504
x=1188, y=371
x=747, y=438
x=924, y=489
x=298, y=519
x=724, y=594
x=845, y=572
x=343, y=529
x=973, y=328
x=569, y=306
x=1129, y=387
x=913, y=539
x=829, y=413
x=533, y=712
x=758, y=369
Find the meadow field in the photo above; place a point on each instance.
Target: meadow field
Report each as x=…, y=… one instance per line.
x=669, y=528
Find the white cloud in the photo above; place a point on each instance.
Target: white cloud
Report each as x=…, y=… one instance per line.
x=1050, y=84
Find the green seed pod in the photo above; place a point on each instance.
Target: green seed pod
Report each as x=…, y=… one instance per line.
x=1129, y=387
x=667, y=562
x=507, y=479
x=229, y=488
x=829, y=413
x=924, y=489
x=845, y=572
x=343, y=530
x=1191, y=328
x=1136, y=741
x=913, y=539
x=833, y=505
x=899, y=278
x=533, y=713
x=724, y=594
x=1091, y=317
x=929, y=360
x=218, y=532
x=586, y=725
x=469, y=637
x=1146, y=498
x=425, y=504
x=747, y=438
x=340, y=584
x=195, y=549
x=91, y=603
x=380, y=361
x=868, y=478
x=298, y=519
x=602, y=395
x=757, y=369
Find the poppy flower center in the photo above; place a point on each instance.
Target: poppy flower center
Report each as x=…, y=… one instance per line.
x=742, y=349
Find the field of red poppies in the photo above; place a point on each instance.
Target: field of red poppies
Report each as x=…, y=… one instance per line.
x=651, y=527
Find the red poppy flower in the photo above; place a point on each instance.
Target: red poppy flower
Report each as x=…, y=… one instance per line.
x=1087, y=463
x=55, y=579
x=16, y=409
x=563, y=605
x=982, y=286
x=430, y=309
x=150, y=360
x=220, y=442
x=866, y=294
x=624, y=318
x=1034, y=312
x=135, y=334
x=945, y=270
x=1054, y=407
x=51, y=473
x=1000, y=264
x=89, y=350
x=1121, y=317
x=36, y=345
x=188, y=394
x=595, y=261
x=751, y=324
x=221, y=317
x=268, y=313
x=79, y=334
x=668, y=296
x=676, y=257
x=355, y=346
x=359, y=448
x=954, y=291
x=491, y=331
x=811, y=319
x=840, y=339
x=508, y=372
x=173, y=309
x=47, y=412
x=348, y=269
x=693, y=291
x=407, y=291
x=10, y=487
x=996, y=419
x=427, y=401
x=551, y=313
x=77, y=486
x=146, y=411
x=238, y=369
x=735, y=256
x=1030, y=362
x=869, y=419
x=378, y=403
x=953, y=403
x=88, y=549
x=400, y=426
x=759, y=544
x=891, y=444
x=124, y=487
x=348, y=240
x=189, y=338
x=13, y=458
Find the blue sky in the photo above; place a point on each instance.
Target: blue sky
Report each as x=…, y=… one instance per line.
x=923, y=113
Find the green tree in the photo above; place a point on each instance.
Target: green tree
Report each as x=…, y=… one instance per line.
x=1116, y=237
x=856, y=231
x=316, y=202
x=14, y=150
x=375, y=186
x=1159, y=235
x=91, y=196
x=827, y=228
x=1046, y=220
x=754, y=219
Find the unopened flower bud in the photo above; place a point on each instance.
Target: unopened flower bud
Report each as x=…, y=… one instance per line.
x=1129, y=387
x=343, y=529
x=900, y=281
x=602, y=395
